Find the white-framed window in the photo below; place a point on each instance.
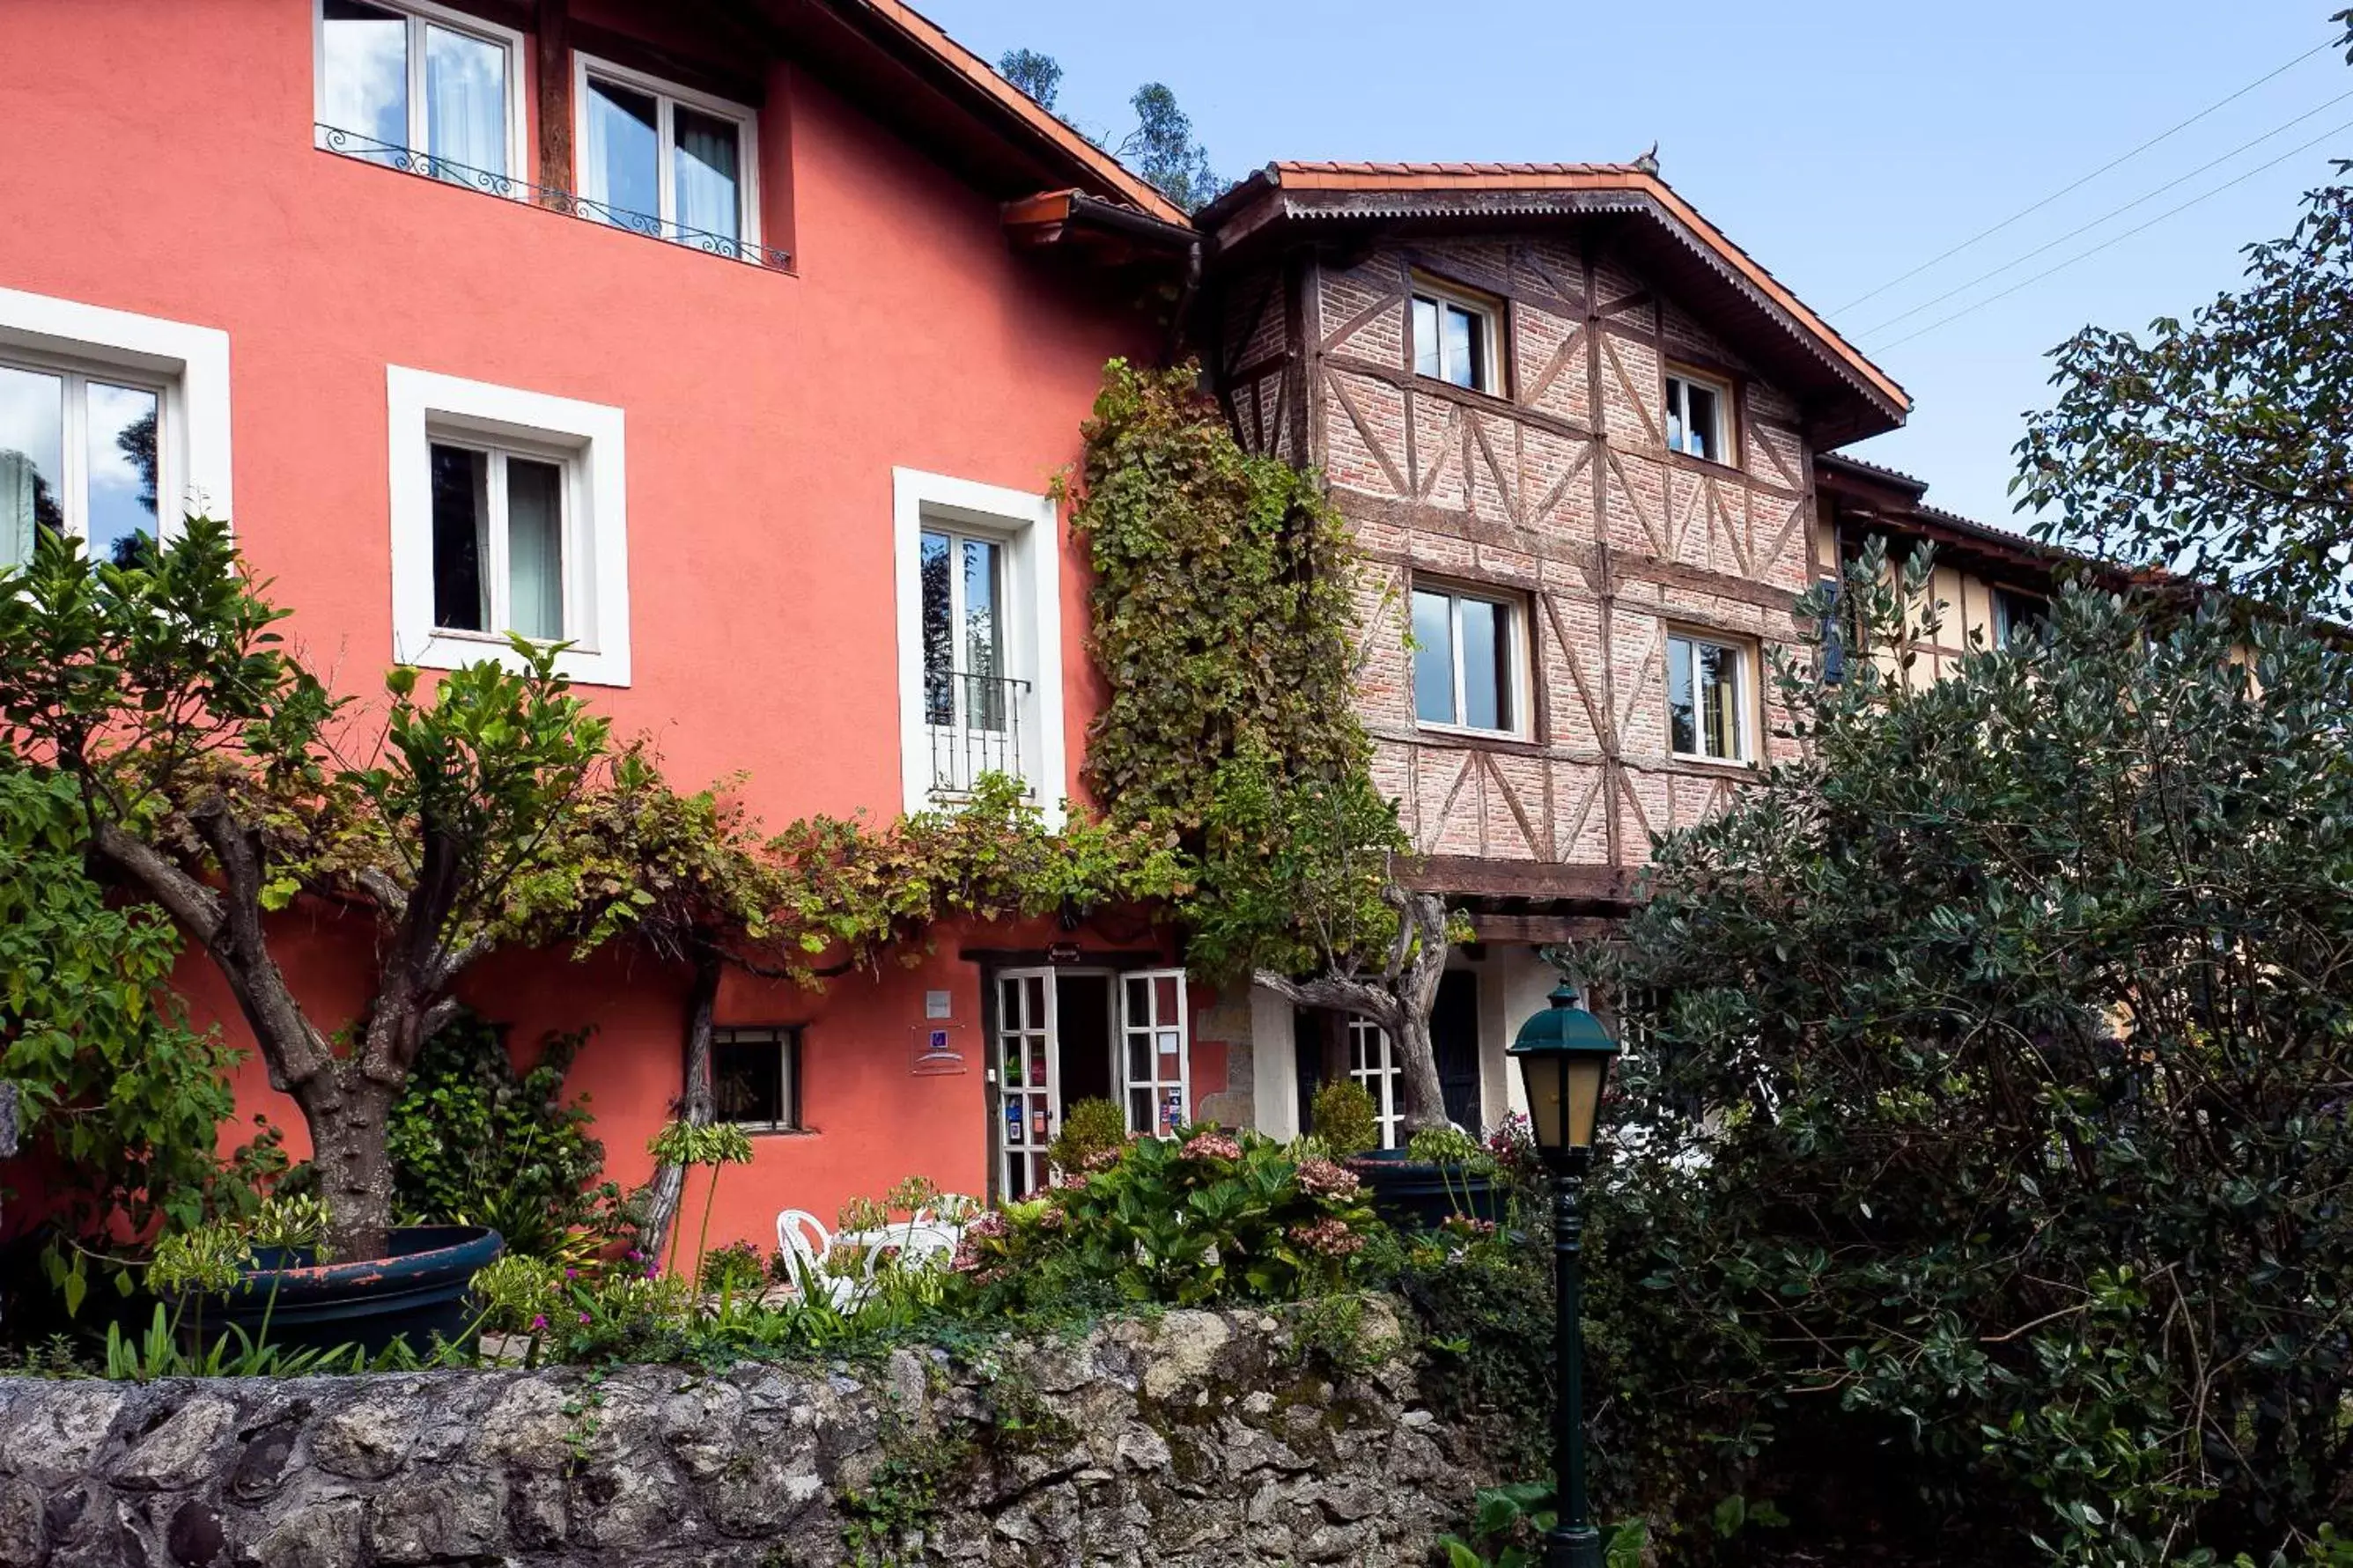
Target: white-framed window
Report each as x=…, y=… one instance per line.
x=509, y=513
x=756, y=1078
x=980, y=642
x=1455, y=339
x=1707, y=699
x=1699, y=416
x=416, y=86
x=667, y=160
x=113, y=425
x=1372, y=1065
x=1470, y=660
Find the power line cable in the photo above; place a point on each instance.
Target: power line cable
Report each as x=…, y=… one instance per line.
x=2123, y=157
x=2151, y=195
x=2117, y=238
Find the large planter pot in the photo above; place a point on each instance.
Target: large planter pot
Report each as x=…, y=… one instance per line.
x=1413, y=1194
x=418, y=1290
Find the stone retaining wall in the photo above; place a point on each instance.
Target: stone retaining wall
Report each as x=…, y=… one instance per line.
x=1196, y=1439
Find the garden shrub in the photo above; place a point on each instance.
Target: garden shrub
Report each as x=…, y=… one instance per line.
x=2016, y=1020
x=1088, y=1127
x=475, y=1141
x=1216, y=1217
x=1344, y=1120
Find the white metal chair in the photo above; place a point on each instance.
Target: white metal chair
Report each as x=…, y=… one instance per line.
x=802, y=1238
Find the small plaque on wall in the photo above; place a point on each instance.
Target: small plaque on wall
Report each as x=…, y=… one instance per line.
x=937, y=1004
x=1062, y=952
x=938, y=1050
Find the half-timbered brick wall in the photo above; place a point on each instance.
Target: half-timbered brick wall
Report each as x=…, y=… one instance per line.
x=1561, y=493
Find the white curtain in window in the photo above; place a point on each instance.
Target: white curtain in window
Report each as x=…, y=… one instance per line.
x=466, y=99
x=535, y=549
x=704, y=171
x=620, y=162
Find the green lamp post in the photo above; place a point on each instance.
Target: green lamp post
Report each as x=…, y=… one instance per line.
x=1564, y=1055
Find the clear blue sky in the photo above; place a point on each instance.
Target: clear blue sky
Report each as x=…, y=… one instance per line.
x=1842, y=141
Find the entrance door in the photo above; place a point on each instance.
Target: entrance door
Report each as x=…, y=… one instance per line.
x=1454, y=1041
x=1155, y=1079
x=1029, y=1077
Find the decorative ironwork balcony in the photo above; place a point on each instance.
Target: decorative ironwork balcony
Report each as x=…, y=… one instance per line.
x=975, y=725
x=408, y=160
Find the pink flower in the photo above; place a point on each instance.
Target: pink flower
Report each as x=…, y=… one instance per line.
x=1051, y=1220
x=584, y=1317
x=1327, y=1179
x=1211, y=1146
x=539, y=1322
x=1331, y=1238
x=1101, y=1159
x=968, y=1258
x=572, y=1274
x=987, y=1226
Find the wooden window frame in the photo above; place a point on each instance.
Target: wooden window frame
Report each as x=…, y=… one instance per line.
x=1520, y=658
x=1727, y=405
x=1487, y=309
x=1744, y=696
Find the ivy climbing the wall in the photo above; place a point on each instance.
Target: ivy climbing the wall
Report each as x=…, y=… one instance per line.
x=1223, y=617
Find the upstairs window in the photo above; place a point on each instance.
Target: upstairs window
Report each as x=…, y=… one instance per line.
x=421, y=88
x=1454, y=338
x=500, y=517
x=972, y=708
x=1466, y=660
x=1708, y=694
x=509, y=516
x=1697, y=410
x=979, y=590
x=665, y=161
x=82, y=454
x=2017, y=615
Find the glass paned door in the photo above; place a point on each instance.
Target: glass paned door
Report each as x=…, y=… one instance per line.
x=1155, y=1080
x=1372, y=1063
x=1028, y=1078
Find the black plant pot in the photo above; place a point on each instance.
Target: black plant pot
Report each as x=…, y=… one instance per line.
x=1413, y=1194
x=415, y=1291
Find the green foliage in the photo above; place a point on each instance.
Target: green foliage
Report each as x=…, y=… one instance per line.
x=1090, y=1128
x=1165, y=151
x=1039, y=76
x=1213, y=1218
x=1998, y=1128
x=737, y=1268
x=1507, y=1530
x=475, y=1142
x=2216, y=445
x=1345, y=1119
x=1190, y=537
x=117, y=1090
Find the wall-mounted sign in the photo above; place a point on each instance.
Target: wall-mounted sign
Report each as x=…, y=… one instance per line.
x=936, y=1005
x=1062, y=952
x=936, y=1052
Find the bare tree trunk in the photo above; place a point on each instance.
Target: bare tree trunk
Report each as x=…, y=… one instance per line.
x=347, y=1114
x=695, y=1107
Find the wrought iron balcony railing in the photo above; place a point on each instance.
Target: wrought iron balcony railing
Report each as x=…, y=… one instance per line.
x=975, y=725
x=408, y=160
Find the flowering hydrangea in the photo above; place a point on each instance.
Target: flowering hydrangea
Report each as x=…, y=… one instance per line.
x=968, y=1258
x=1331, y=1238
x=1100, y=1159
x=1327, y=1179
x=987, y=1226
x=1211, y=1146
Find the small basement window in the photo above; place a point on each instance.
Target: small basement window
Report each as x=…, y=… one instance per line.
x=756, y=1078
x=1697, y=411
x=1454, y=340
x=1707, y=695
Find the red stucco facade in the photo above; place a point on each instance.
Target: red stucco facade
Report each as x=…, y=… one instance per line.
x=157, y=156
